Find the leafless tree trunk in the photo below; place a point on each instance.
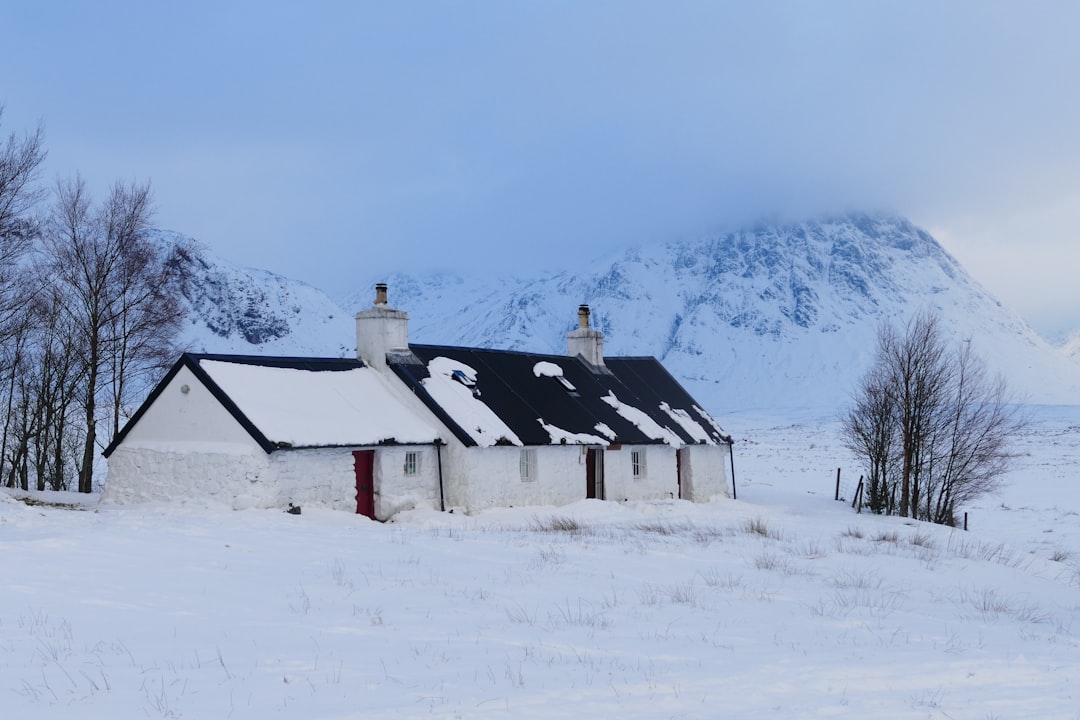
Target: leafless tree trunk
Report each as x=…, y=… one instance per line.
x=950, y=425
x=115, y=288
x=867, y=430
x=918, y=373
x=20, y=159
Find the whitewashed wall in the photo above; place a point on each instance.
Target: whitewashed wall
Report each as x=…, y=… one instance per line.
x=660, y=481
x=323, y=477
x=395, y=491
x=482, y=478
x=141, y=474
x=491, y=477
x=704, y=472
x=327, y=477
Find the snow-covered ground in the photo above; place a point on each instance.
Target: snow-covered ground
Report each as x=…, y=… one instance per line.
x=783, y=603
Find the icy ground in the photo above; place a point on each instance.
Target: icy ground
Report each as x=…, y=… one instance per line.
x=783, y=603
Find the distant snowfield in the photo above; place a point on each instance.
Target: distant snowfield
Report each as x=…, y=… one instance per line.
x=783, y=603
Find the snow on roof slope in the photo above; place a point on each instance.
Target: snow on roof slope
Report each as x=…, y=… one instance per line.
x=560, y=436
x=687, y=423
x=473, y=415
x=547, y=369
x=304, y=408
x=642, y=420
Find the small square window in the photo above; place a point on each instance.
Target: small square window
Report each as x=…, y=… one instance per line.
x=637, y=460
x=412, y=462
x=527, y=465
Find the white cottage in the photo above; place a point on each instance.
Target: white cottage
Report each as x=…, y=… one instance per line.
x=404, y=426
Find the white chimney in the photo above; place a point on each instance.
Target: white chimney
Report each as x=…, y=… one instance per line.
x=585, y=341
x=381, y=329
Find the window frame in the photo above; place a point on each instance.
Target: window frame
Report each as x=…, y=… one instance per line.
x=527, y=464
x=413, y=467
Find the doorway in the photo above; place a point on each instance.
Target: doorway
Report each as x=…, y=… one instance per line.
x=364, y=463
x=594, y=473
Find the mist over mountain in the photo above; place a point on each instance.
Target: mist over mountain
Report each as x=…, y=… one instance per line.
x=765, y=318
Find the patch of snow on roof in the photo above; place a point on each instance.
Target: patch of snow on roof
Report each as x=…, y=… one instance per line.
x=547, y=369
x=565, y=437
x=690, y=425
x=712, y=422
x=606, y=431
x=469, y=411
x=307, y=408
x=642, y=420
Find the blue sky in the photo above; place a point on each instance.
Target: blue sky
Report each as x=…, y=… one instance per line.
x=331, y=141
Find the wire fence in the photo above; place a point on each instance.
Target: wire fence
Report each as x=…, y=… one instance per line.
x=849, y=489
x=847, y=486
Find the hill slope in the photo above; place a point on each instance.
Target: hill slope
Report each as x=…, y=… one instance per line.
x=783, y=603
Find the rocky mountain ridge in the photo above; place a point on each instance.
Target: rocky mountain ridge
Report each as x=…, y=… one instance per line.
x=769, y=317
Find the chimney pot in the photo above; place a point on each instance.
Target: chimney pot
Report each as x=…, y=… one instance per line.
x=380, y=293
x=583, y=316
x=585, y=341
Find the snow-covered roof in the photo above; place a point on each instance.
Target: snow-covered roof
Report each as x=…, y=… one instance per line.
x=307, y=402
x=309, y=407
x=484, y=397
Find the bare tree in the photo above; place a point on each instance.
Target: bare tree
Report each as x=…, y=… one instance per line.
x=115, y=287
x=40, y=402
x=918, y=377
x=142, y=331
x=20, y=159
x=930, y=426
x=970, y=440
x=82, y=322
x=868, y=431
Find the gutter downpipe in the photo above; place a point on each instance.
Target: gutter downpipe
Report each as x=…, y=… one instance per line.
x=438, y=455
x=731, y=456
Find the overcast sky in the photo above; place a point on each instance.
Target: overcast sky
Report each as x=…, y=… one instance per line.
x=330, y=141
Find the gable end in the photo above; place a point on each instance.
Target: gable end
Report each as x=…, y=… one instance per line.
x=191, y=362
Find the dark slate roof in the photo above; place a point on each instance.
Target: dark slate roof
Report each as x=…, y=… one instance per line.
x=505, y=381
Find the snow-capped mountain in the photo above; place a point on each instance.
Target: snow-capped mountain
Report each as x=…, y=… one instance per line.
x=254, y=312
x=768, y=317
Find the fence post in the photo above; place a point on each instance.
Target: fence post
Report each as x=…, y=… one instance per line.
x=837, y=484
x=858, y=494
x=965, y=522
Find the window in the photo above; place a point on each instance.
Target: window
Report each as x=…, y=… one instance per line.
x=527, y=465
x=412, y=462
x=467, y=380
x=637, y=461
x=568, y=386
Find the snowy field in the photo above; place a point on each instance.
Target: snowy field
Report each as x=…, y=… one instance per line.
x=783, y=603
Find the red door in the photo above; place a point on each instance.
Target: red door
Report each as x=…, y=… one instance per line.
x=365, y=482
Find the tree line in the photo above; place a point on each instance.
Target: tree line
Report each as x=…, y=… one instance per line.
x=930, y=425
x=89, y=312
